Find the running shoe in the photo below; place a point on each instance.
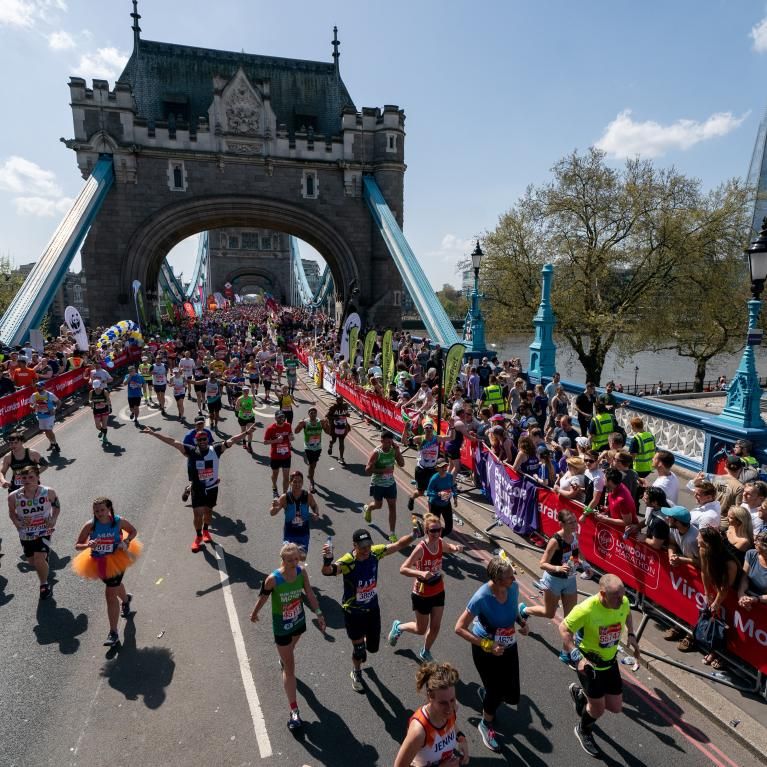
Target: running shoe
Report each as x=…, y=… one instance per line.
x=112, y=639
x=45, y=590
x=197, y=545
x=136, y=423
x=125, y=610
x=586, y=739
x=313, y=488
x=367, y=513
x=426, y=656
x=488, y=736
x=522, y=611
x=185, y=495
x=342, y=461
x=565, y=658
x=395, y=633
x=330, y=451
x=56, y=448
x=579, y=699
x=295, y=723
x=410, y=503
x=357, y=683
x=275, y=494
x=393, y=538
x=132, y=416
x=206, y=537
x=587, y=573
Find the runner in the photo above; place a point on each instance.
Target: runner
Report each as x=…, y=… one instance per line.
x=440, y=492
x=213, y=394
x=431, y=734
x=337, y=421
x=279, y=367
x=202, y=468
x=178, y=386
x=428, y=596
x=426, y=463
x=243, y=407
x=559, y=563
x=279, y=435
x=107, y=548
x=45, y=404
x=186, y=364
x=285, y=403
x=297, y=503
x=291, y=372
x=146, y=371
x=136, y=383
x=16, y=459
x=160, y=381
x=383, y=485
x=252, y=373
x=267, y=371
x=287, y=587
x=312, y=429
x=362, y=614
x=599, y=621
x=99, y=400
x=34, y=510
x=489, y=624
x=200, y=379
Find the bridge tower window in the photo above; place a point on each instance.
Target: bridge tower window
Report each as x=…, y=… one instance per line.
x=310, y=185
x=397, y=298
x=391, y=142
x=177, y=180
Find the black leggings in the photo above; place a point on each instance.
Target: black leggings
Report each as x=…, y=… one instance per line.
x=446, y=513
x=499, y=675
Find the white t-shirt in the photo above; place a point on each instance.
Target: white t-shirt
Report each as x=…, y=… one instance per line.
x=187, y=366
x=707, y=515
x=670, y=485
x=756, y=520
x=569, y=481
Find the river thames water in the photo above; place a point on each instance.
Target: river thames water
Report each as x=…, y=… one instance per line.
x=653, y=366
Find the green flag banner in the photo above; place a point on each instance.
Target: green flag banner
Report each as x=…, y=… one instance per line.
x=370, y=340
x=387, y=357
x=353, y=334
x=453, y=366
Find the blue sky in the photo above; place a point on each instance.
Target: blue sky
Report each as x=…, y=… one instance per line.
x=495, y=92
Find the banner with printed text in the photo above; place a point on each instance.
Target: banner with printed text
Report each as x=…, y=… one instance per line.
x=386, y=357
x=370, y=342
x=354, y=334
x=452, y=367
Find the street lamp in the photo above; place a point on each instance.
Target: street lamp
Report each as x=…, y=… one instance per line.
x=474, y=324
x=744, y=392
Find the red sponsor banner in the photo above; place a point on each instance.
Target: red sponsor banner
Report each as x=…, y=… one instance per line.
x=386, y=412
x=678, y=590
x=16, y=406
x=125, y=357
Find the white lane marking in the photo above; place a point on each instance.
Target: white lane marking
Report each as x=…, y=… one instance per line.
x=256, y=714
x=143, y=413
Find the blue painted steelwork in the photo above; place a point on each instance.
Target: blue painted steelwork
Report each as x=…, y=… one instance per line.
x=28, y=307
x=300, y=292
x=543, y=350
x=170, y=284
x=435, y=320
x=324, y=289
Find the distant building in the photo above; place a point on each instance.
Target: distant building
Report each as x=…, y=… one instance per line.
x=467, y=281
x=72, y=292
x=312, y=271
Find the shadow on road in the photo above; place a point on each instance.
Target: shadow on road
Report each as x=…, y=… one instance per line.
x=225, y=527
x=143, y=672
x=57, y=625
x=321, y=739
x=4, y=597
x=58, y=462
x=240, y=571
x=387, y=706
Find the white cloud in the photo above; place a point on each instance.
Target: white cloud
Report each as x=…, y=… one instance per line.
x=451, y=250
x=24, y=177
x=105, y=63
x=759, y=35
x=60, y=41
x=27, y=13
x=42, y=206
x=626, y=137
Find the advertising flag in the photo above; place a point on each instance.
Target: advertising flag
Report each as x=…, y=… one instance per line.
x=387, y=357
x=353, y=335
x=370, y=340
x=453, y=365
x=76, y=327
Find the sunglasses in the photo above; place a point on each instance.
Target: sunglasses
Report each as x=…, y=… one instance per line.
x=435, y=530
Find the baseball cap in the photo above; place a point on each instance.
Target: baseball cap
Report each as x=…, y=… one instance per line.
x=677, y=512
x=280, y=414
x=200, y=419
x=362, y=536
x=564, y=442
x=440, y=463
x=497, y=418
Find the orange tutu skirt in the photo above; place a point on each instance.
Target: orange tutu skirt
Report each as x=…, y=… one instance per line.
x=108, y=566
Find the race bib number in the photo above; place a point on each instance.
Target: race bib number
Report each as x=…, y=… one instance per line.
x=283, y=450
x=205, y=473
x=159, y=380
x=609, y=636
x=104, y=545
x=366, y=592
x=505, y=637
x=291, y=611
x=298, y=520
x=35, y=527
x=313, y=443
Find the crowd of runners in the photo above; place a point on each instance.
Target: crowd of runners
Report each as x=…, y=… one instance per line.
x=245, y=357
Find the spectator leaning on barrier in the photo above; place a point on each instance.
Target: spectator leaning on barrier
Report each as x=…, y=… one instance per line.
x=621, y=507
x=663, y=462
x=729, y=488
x=6, y=384
x=708, y=512
x=683, y=537
x=754, y=495
x=739, y=535
x=23, y=375
x=753, y=584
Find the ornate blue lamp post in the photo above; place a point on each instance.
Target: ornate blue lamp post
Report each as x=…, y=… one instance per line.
x=474, y=324
x=744, y=393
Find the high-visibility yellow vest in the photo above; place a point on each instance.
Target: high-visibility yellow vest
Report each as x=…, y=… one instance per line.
x=604, y=426
x=493, y=396
x=645, y=450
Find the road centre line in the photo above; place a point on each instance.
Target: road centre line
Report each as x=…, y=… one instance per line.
x=256, y=713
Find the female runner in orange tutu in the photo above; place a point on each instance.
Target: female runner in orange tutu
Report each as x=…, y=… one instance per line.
x=108, y=546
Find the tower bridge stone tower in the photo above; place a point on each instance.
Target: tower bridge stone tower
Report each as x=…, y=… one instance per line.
x=204, y=139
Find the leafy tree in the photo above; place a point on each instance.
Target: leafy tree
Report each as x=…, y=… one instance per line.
x=616, y=237
x=10, y=282
x=453, y=301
